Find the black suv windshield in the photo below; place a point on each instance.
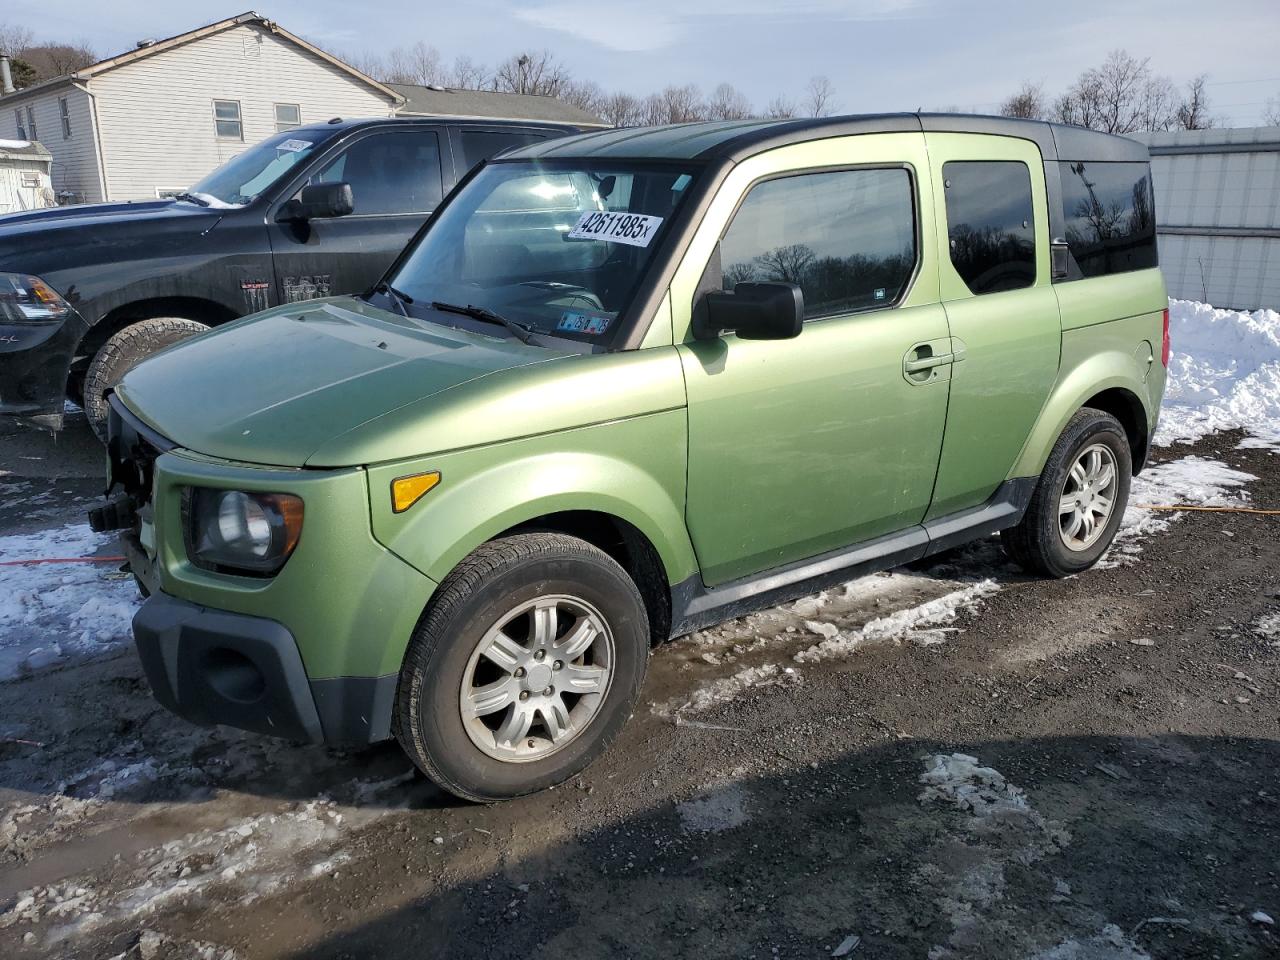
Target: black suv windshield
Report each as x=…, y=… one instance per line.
x=242, y=178
x=557, y=248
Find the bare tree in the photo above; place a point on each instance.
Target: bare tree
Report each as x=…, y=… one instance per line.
x=787, y=264
x=728, y=103
x=538, y=74
x=1271, y=112
x=418, y=64
x=674, y=104
x=1121, y=96
x=50, y=60
x=1193, y=112
x=1028, y=103
x=820, y=97
x=780, y=108
x=586, y=94
x=14, y=38
x=622, y=110
x=466, y=74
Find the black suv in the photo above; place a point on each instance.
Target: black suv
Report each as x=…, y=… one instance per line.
x=87, y=292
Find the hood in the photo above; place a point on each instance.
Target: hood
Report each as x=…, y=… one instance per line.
x=274, y=387
x=45, y=242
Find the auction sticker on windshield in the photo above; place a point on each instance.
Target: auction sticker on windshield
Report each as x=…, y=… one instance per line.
x=633, y=229
x=584, y=321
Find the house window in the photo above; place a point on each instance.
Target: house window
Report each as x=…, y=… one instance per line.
x=22, y=130
x=288, y=116
x=31, y=124
x=226, y=120
x=64, y=112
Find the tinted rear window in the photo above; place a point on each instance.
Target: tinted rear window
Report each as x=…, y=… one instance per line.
x=990, y=224
x=480, y=145
x=1109, y=212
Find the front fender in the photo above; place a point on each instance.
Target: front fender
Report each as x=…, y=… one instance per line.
x=631, y=469
x=1103, y=357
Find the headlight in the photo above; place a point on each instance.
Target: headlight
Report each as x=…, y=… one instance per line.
x=241, y=532
x=26, y=299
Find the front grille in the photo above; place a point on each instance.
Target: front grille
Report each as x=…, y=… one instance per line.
x=132, y=449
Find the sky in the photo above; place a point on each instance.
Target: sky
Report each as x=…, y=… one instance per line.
x=880, y=55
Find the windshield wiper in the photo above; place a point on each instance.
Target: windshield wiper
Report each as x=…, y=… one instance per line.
x=396, y=297
x=192, y=198
x=518, y=330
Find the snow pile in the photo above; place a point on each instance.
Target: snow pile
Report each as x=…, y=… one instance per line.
x=1224, y=373
x=50, y=612
x=961, y=781
x=924, y=623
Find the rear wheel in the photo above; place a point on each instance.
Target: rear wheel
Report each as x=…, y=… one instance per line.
x=124, y=351
x=524, y=668
x=1079, y=501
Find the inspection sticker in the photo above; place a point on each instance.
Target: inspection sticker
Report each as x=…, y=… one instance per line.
x=293, y=146
x=633, y=229
x=584, y=321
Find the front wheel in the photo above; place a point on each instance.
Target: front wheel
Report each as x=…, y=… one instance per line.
x=1079, y=501
x=124, y=351
x=523, y=669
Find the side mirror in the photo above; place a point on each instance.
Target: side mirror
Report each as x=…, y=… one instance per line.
x=320, y=201
x=754, y=311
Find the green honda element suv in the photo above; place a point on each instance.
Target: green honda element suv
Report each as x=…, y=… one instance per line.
x=627, y=384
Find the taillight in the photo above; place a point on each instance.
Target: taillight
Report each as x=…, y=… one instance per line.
x=1164, y=349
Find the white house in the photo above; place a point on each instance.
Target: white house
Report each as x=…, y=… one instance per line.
x=153, y=121
x=24, y=176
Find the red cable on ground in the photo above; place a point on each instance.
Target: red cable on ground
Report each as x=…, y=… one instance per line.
x=28, y=563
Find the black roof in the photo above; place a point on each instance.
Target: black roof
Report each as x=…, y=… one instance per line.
x=735, y=140
x=344, y=124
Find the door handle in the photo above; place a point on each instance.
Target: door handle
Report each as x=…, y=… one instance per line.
x=926, y=363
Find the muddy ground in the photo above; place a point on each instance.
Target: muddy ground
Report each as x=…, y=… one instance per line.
x=1067, y=770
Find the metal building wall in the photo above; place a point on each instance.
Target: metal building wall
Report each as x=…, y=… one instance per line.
x=1218, y=214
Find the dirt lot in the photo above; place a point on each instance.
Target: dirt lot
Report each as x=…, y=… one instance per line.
x=947, y=762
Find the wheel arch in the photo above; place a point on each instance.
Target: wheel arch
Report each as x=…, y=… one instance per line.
x=1109, y=381
x=209, y=312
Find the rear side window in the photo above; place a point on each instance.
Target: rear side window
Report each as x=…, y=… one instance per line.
x=846, y=237
x=1109, y=210
x=990, y=225
x=480, y=145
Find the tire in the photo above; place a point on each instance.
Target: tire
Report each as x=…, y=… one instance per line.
x=124, y=351
x=468, y=756
x=1039, y=543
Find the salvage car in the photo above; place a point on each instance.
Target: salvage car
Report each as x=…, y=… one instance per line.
x=88, y=291
x=623, y=386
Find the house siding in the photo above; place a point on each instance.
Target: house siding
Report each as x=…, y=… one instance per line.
x=155, y=115
x=14, y=195
x=75, y=158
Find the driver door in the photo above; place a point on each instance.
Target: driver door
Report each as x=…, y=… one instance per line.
x=805, y=446
x=395, y=177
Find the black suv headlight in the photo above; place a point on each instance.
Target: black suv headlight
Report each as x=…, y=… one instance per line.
x=238, y=532
x=27, y=299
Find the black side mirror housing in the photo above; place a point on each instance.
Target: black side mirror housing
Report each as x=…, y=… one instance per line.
x=754, y=311
x=320, y=201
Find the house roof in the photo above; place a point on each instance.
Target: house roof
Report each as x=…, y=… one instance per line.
x=734, y=140
x=158, y=46
x=490, y=104
x=23, y=150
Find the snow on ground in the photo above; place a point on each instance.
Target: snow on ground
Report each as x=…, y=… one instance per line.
x=51, y=612
x=1224, y=374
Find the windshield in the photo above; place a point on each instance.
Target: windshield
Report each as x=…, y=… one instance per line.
x=558, y=247
x=242, y=178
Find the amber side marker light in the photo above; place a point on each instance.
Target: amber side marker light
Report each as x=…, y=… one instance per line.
x=406, y=491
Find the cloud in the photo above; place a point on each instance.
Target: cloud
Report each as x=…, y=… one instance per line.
x=641, y=27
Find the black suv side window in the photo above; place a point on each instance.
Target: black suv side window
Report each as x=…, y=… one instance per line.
x=1110, y=217
x=847, y=237
x=990, y=225
x=480, y=145
x=393, y=172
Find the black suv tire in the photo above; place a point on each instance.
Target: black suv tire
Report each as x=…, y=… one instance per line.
x=442, y=662
x=1038, y=543
x=124, y=351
